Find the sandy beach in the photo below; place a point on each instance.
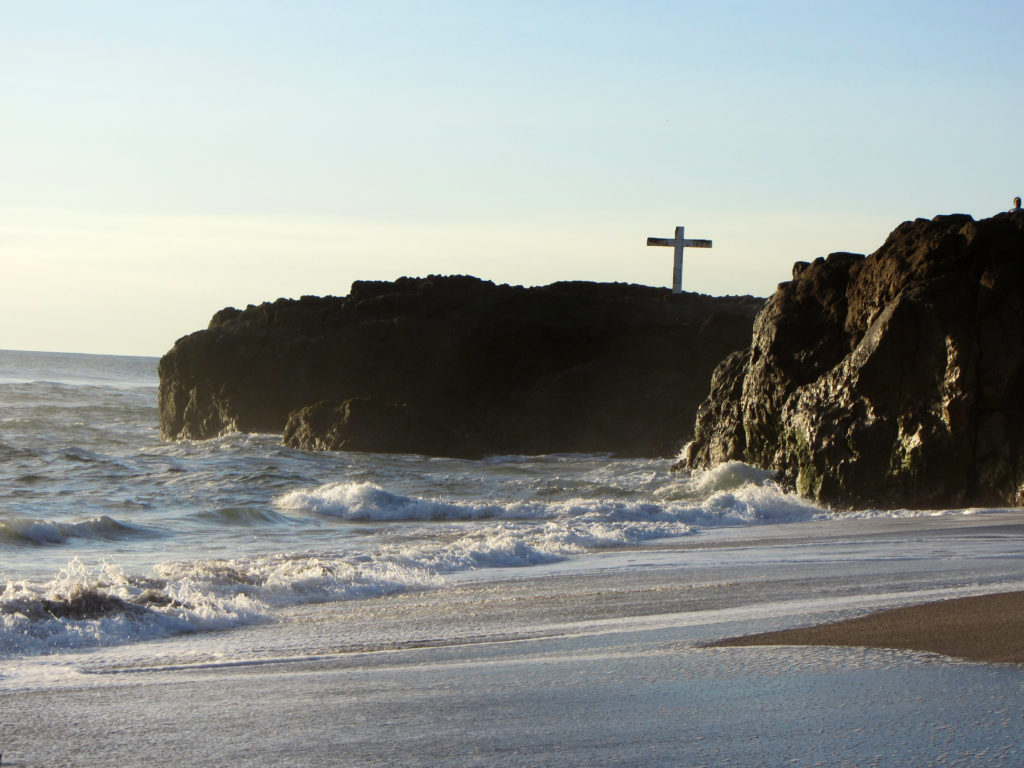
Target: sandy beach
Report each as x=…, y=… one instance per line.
x=988, y=628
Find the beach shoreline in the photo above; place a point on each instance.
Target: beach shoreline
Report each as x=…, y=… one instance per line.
x=611, y=659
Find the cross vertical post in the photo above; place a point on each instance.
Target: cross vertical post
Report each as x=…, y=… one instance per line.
x=677, y=264
x=679, y=242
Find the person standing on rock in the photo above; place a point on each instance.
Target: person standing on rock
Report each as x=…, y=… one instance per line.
x=1016, y=206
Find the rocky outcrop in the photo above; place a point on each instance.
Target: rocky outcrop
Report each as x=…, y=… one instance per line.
x=363, y=424
x=895, y=379
x=569, y=367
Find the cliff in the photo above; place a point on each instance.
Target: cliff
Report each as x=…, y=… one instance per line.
x=458, y=366
x=895, y=379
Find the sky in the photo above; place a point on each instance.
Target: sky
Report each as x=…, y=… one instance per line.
x=162, y=160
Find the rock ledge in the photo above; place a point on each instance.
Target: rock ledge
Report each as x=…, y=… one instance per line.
x=568, y=367
x=895, y=379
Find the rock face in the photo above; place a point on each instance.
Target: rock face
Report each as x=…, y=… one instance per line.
x=362, y=424
x=569, y=367
x=891, y=380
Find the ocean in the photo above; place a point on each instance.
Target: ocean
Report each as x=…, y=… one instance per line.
x=127, y=560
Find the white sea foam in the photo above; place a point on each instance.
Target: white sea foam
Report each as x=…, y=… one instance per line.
x=727, y=475
x=201, y=595
x=28, y=624
x=735, y=494
x=367, y=501
x=83, y=608
x=521, y=533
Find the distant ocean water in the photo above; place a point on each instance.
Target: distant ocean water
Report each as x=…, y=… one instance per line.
x=111, y=537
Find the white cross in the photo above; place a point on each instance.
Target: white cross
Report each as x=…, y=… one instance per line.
x=678, y=242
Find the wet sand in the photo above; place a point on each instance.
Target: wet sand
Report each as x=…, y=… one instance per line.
x=601, y=661
x=987, y=628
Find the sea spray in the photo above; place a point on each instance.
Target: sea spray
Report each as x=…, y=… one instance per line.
x=80, y=608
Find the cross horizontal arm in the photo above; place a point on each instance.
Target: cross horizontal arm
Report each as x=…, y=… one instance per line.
x=672, y=242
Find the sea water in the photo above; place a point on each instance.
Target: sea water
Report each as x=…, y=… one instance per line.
x=122, y=554
x=142, y=538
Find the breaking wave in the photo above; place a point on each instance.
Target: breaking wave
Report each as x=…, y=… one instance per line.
x=731, y=494
x=427, y=540
x=82, y=609
x=31, y=532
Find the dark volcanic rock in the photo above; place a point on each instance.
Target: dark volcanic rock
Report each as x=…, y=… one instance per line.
x=362, y=424
x=569, y=367
x=891, y=380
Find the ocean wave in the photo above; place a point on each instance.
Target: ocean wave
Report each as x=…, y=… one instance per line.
x=366, y=501
x=84, y=456
x=728, y=475
x=241, y=516
x=21, y=383
x=79, y=609
x=733, y=494
x=32, y=532
x=10, y=452
x=83, y=609
x=428, y=539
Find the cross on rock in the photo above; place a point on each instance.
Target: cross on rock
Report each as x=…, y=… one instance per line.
x=678, y=242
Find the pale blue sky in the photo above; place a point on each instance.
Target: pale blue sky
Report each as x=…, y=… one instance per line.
x=161, y=160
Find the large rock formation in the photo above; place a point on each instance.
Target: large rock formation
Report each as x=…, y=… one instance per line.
x=891, y=380
x=569, y=367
